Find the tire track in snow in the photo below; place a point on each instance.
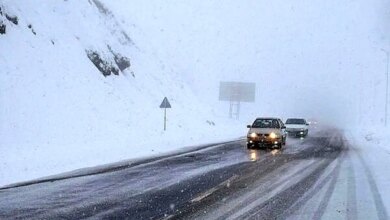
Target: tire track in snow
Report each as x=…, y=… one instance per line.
x=351, y=193
x=380, y=207
x=378, y=201
x=334, y=147
x=325, y=200
x=314, y=191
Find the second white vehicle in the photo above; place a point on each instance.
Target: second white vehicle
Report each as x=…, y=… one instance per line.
x=297, y=127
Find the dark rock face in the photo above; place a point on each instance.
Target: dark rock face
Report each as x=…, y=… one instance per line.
x=3, y=28
x=32, y=29
x=102, y=9
x=103, y=66
x=210, y=123
x=13, y=19
x=122, y=62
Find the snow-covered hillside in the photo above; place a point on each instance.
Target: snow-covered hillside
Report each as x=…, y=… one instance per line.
x=77, y=91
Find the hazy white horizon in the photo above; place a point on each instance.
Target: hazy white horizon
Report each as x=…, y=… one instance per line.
x=318, y=59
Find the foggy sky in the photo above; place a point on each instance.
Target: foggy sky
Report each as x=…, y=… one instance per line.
x=319, y=59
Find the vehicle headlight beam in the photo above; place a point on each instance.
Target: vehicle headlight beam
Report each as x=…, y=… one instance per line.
x=252, y=135
x=273, y=135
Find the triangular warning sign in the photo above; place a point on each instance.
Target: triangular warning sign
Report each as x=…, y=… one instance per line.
x=165, y=103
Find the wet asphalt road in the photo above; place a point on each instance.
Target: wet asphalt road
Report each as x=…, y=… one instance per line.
x=224, y=181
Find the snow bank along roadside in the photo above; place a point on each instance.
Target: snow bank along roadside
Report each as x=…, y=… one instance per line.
x=120, y=165
x=373, y=145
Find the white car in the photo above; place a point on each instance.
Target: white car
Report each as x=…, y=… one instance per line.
x=297, y=127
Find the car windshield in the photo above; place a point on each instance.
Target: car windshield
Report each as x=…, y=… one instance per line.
x=296, y=121
x=266, y=123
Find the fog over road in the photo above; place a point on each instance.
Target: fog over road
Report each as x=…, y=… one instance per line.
x=310, y=178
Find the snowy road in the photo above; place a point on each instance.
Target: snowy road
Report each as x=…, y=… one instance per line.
x=317, y=177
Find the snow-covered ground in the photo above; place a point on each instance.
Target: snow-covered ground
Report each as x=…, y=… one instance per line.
x=58, y=112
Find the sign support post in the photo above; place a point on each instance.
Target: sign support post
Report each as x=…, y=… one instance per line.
x=165, y=119
x=165, y=104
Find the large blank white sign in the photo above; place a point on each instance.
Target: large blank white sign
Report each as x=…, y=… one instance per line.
x=237, y=91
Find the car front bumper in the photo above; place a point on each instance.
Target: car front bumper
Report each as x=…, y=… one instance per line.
x=263, y=141
x=297, y=132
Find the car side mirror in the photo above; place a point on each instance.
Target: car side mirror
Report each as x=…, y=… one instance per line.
x=283, y=127
x=307, y=124
x=248, y=126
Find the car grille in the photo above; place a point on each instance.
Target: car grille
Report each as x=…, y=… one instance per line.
x=294, y=129
x=262, y=135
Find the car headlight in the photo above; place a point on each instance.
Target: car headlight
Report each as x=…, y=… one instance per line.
x=273, y=135
x=252, y=135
